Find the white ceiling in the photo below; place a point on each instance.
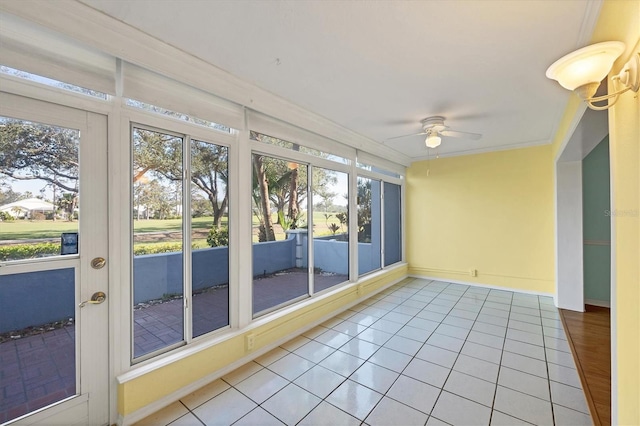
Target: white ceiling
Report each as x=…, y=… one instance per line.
x=379, y=67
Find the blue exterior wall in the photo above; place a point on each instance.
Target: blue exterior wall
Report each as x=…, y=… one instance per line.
x=52, y=293
x=36, y=298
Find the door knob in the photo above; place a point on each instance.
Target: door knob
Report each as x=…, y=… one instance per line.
x=96, y=298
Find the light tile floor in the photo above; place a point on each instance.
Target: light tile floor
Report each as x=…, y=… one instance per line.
x=421, y=352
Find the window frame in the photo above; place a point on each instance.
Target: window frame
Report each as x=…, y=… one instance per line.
x=382, y=178
x=311, y=161
x=136, y=118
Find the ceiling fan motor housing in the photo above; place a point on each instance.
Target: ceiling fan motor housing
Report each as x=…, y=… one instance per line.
x=433, y=124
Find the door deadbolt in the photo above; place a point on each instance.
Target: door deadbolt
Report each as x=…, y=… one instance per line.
x=98, y=263
x=96, y=298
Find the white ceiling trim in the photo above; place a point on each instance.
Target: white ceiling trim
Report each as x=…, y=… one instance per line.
x=484, y=150
x=109, y=35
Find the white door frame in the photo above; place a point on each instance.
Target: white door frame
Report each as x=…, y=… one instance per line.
x=91, y=403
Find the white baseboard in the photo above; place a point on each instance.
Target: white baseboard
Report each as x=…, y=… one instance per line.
x=595, y=302
x=492, y=287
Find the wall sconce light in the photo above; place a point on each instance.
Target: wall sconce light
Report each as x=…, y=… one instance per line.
x=432, y=140
x=583, y=70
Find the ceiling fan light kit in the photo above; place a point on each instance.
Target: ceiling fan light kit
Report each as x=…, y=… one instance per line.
x=433, y=140
x=583, y=70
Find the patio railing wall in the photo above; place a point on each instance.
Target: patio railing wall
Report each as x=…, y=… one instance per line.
x=160, y=275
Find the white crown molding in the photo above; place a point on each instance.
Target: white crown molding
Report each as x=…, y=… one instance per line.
x=100, y=31
x=484, y=150
x=590, y=18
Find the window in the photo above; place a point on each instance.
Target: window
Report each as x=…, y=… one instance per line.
x=379, y=170
x=184, y=117
x=369, y=225
x=167, y=263
x=392, y=224
x=51, y=82
x=209, y=236
x=280, y=258
x=330, y=191
x=296, y=147
x=158, y=286
x=39, y=189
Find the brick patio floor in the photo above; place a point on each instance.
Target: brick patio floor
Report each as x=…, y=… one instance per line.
x=39, y=370
x=36, y=371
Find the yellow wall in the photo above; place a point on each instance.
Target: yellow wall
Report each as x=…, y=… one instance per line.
x=136, y=393
x=491, y=212
x=620, y=20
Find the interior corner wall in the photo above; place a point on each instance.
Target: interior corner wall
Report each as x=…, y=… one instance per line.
x=620, y=20
x=492, y=213
x=596, y=225
x=569, y=241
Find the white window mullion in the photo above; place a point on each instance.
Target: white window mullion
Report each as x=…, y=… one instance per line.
x=353, y=224
x=310, y=224
x=403, y=253
x=382, y=263
x=186, y=239
x=240, y=239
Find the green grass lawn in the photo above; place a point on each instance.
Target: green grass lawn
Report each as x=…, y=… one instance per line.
x=24, y=229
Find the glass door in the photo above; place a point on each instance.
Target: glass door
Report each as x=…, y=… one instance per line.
x=54, y=364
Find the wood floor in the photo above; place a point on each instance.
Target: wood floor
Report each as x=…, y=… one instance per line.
x=589, y=336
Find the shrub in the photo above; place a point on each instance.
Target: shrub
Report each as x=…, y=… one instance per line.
x=28, y=251
x=218, y=237
x=4, y=216
x=157, y=248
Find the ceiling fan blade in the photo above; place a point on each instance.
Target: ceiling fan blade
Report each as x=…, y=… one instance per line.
x=457, y=134
x=406, y=136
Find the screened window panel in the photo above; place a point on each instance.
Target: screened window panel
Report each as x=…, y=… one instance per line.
x=158, y=279
x=280, y=218
x=209, y=236
x=369, y=225
x=330, y=228
x=392, y=224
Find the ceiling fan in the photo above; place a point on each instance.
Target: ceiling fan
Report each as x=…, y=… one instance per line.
x=434, y=128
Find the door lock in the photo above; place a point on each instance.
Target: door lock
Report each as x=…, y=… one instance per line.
x=96, y=298
x=98, y=263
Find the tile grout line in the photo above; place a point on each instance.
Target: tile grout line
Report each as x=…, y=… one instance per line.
x=188, y=411
x=318, y=364
x=400, y=373
x=459, y=352
x=414, y=291
x=382, y=346
x=504, y=342
x=546, y=366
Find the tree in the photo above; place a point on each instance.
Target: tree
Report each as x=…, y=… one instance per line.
x=284, y=184
x=210, y=173
x=364, y=210
x=199, y=205
x=262, y=200
x=31, y=151
x=160, y=155
x=67, y=203
x=7, y=194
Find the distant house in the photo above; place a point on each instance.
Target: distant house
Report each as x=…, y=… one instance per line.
x=25, y=208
